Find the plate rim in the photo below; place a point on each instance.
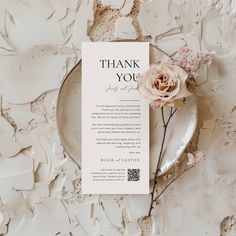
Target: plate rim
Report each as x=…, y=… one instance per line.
x=57, y=110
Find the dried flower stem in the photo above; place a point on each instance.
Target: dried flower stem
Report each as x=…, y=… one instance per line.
x=168, y=185
x=165, y=126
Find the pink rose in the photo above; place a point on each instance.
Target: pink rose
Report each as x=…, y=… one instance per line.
x=164, y=84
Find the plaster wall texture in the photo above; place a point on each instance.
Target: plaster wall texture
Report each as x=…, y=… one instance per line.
x=40, y=187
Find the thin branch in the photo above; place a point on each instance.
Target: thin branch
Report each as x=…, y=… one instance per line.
x=172, y=113
x=168, y=185
x=165, y=125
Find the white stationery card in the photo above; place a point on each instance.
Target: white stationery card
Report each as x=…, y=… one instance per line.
x=115, y=119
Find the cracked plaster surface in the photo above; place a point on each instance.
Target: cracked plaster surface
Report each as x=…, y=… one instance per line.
x=40, y=187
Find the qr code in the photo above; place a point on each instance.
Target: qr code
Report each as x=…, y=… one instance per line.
x=133, y=174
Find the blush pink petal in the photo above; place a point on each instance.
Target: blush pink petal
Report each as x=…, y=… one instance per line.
x=175, y=78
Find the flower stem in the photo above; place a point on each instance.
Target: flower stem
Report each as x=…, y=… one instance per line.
x=165, y=126
x=168, y=185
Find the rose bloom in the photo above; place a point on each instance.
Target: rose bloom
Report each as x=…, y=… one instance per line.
x=164, y=84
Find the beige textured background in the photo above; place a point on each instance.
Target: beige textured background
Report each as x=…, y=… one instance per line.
x=40, y=186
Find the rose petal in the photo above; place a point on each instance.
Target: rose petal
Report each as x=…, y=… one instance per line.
x=163, y=84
